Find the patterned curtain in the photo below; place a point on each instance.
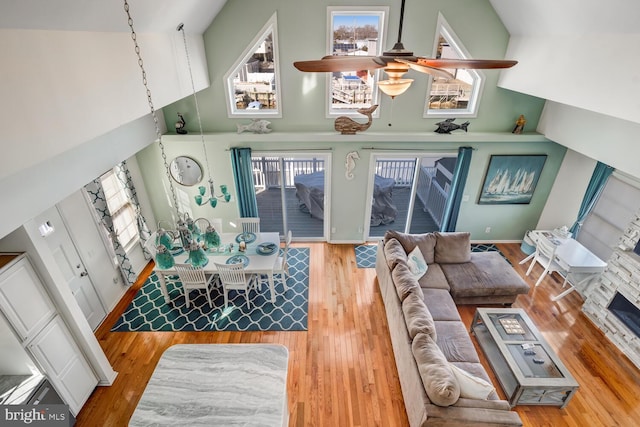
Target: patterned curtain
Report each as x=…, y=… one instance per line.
x=124, y=176
x=601, y=174
x=99, y=201
x=243, y=177
x=452, y=209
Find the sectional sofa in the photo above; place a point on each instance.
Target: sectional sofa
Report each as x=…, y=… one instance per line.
x=442, y=380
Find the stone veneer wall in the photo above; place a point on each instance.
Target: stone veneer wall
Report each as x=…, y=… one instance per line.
x=621, y=275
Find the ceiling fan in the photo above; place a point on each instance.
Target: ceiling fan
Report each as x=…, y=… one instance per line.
x=396, y=62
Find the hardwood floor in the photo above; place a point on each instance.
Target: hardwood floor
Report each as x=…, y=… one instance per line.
x=342, y=371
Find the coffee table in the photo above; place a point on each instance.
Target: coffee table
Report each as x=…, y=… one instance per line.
x=508, y=337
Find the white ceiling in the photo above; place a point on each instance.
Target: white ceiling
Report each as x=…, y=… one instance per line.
x=566, y=17
x=108, y=15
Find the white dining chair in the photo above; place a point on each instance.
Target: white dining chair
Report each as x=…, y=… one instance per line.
x=194, y=278
x=150, y=245
x=251, y=225
x=281, y=266
x=217, y=224
x=234, y=277
x=545, y=256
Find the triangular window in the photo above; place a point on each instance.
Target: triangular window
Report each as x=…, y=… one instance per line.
x=458, y=97
x=354, y=31
x=253, y=84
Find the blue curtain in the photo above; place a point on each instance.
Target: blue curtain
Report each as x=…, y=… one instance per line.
x=243, y=177
x=599, y=178
x=452, y=209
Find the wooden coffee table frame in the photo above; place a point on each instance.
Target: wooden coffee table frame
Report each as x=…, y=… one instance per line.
x=519, y=388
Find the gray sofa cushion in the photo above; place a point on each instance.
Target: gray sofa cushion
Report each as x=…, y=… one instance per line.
x=487, y=274
x=394, y=253
x=417, y=316
x=452, y=247
x=434, y=278
x=438, y=379
x=454, y=342
x=404, y=281
x=440, y=304
x=426, y=242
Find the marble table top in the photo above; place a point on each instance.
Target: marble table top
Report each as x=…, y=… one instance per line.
x=217, y=385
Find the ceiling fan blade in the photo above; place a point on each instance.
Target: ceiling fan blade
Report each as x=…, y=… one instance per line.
x=466, y=63
x=332, y=63
x=436, y=72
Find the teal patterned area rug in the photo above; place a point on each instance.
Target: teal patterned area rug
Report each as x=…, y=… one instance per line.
x=149, y=312
x=366, y=254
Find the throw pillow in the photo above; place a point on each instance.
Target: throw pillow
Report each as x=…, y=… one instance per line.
x=426, y=242
x=440, y=384
x=416, y=263
x=471, y=387
x=453, y=248
x=404, y=281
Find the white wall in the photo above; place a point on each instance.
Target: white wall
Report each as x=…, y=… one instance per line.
x=607, y=139
x=597, y=71
x=567, y=192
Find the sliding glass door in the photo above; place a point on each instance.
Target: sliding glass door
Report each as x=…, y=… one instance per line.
x=409, y=192
x=291, y=192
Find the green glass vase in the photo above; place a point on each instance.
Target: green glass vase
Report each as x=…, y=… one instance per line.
x=211, y=237
x=164, y=259
x=197, y=256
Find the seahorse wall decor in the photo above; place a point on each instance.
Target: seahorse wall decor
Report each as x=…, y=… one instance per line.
x=350, y=164
x=347, y=126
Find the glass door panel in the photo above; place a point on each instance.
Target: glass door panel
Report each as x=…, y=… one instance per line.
x=418, y=194
x=290, y=190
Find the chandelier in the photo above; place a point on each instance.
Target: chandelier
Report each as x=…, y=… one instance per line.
x=202, y=198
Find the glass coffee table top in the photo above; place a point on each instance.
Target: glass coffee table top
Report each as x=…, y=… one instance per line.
x=534, y=362
x=511, y=327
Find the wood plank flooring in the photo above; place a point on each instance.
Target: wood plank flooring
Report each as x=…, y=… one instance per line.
x=342, y=371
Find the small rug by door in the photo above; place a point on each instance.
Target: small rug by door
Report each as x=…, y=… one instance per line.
x=149, y=312
x=366, y=254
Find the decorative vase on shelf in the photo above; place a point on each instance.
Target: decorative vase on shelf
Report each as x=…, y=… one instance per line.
x=197, y=256
x=164, y=259
x=211, y=237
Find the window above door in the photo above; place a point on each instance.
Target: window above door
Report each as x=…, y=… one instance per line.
x=252, y=85
x=459, y=97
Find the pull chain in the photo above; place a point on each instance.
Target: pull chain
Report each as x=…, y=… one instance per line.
x=153, y=111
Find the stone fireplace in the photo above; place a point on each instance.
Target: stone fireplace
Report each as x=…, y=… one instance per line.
x=619, y=287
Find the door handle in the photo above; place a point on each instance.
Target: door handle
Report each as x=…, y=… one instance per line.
x=84, y=273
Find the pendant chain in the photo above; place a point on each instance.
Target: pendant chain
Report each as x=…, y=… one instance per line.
x=153, y=111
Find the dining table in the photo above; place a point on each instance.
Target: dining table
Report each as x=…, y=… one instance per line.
x=257, y=261
x=579, y=265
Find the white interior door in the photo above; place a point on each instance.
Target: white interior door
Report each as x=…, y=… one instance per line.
x=72, y=268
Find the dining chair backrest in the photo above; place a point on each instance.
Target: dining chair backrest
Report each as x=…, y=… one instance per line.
x=150, y=244
x=202, y=224
x=545, y=251
x=232, y=275
x=217, y=224
x=251, y=225
x=190, y=275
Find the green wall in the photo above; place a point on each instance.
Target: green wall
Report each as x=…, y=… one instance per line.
x=302, y=30
x=349, y=198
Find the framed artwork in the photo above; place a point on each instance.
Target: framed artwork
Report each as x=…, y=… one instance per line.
x=511, y=179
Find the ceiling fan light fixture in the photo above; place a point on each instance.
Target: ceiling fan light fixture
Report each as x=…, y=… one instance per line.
x=394, y=87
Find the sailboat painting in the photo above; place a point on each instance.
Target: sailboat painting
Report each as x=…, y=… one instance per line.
x=511, y=179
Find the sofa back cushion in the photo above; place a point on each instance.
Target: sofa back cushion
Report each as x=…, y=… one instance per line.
x=418, y=317
x=438, y=379
x=426, y=242
x=394, y=253
x=404, y=281
x=453, y=248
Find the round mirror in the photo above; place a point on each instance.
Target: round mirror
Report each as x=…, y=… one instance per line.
x=185, y=170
